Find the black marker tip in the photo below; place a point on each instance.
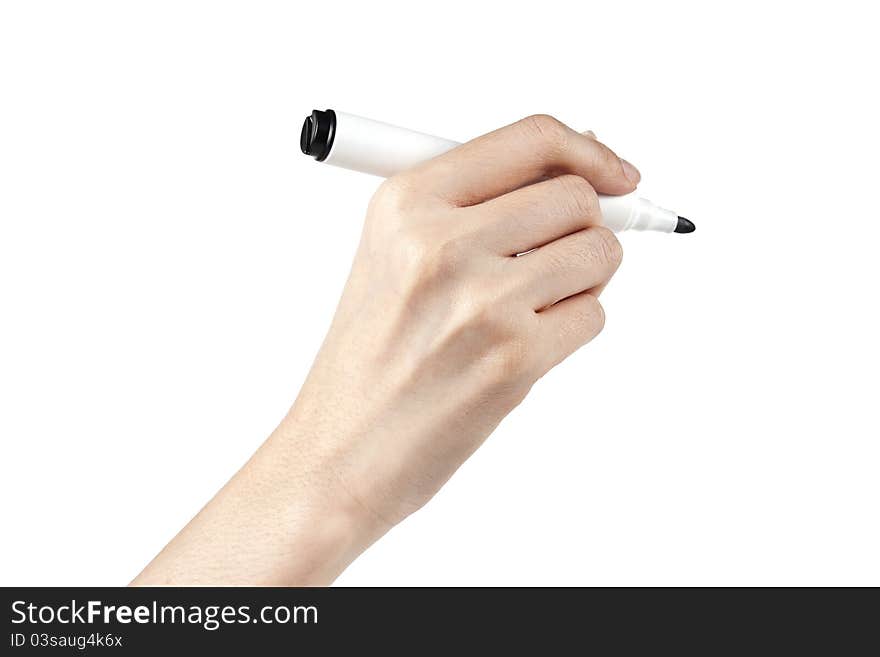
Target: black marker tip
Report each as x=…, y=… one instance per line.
x=685, y=226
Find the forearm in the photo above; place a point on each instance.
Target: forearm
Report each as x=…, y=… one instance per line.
x=284, y=519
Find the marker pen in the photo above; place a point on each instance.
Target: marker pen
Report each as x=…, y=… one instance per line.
x=381, y=149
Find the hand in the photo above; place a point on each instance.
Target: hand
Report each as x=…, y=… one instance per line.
x=477, y=272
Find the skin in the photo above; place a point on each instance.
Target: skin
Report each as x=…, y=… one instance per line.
x=440, y=332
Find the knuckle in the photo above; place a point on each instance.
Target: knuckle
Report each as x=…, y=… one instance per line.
x=579, y=195
x=497, y=341
x=395, y=193
x=481, y=314
x=607, y=160
x=556, y=260
x=551, y=132
x=607, y=247
x=427, y=259
x=499, y=333
x=594, y=314
x=510, y=361
x=412, y=248
x=588, y=321
x=447, y=254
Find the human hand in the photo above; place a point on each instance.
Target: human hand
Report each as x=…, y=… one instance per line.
x=442, y=330
x=477, y=272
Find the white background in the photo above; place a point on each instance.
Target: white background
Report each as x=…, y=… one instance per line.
x=169, y=263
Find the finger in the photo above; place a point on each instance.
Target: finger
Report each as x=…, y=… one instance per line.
x=568, y=325
x=631, y=171
x=629, y=168
x=575, y=263
x=520, y=154
x=599, y=289
x=536, y=214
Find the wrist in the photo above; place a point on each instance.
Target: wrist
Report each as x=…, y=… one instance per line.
x=282, y=520
x=327, y=526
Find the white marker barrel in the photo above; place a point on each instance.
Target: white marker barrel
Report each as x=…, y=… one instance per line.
x=381, y=149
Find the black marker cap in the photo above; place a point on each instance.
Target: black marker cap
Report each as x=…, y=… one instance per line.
x=316, y=138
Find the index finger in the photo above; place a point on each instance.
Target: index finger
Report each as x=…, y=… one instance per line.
x=520, y=154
